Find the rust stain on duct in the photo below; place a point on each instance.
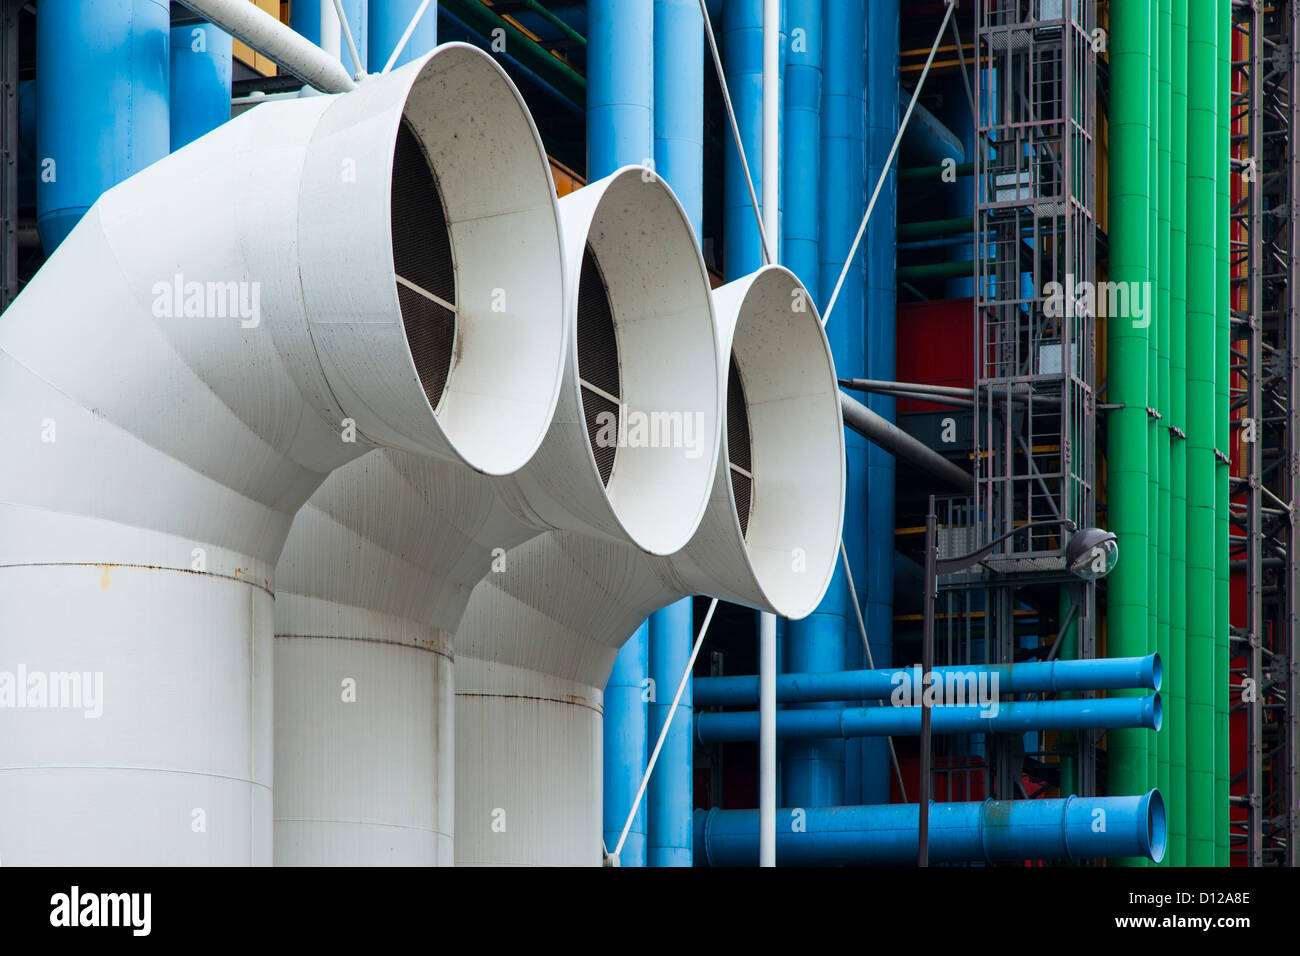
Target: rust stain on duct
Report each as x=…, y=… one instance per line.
x=104, y=581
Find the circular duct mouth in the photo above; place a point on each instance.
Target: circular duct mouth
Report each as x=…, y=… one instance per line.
x=477, y=257
x=646, y=350
x=1157, y=825
x=598, y=373
x=785, y=442
x=424, y=270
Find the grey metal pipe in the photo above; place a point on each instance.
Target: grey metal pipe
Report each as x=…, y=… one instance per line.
x=268, y=36
x=767, y=622
x=900, y=444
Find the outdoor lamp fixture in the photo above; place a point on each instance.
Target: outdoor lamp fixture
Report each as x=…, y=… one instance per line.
x=1091, y=554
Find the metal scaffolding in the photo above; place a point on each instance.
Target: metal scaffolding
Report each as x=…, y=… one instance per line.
x=1035, y=409
x=1265, y=366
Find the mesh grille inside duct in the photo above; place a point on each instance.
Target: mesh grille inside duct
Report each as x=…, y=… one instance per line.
x=598, y=366
x=422, y=260
x=738, y=453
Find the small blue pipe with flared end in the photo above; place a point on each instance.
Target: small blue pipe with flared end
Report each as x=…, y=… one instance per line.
x=995, y=717
x=995, y=831
x=1032, y=677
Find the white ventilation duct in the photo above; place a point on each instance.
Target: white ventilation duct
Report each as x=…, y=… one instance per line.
x=219, y=333
x=538, y=641
x=382, y=560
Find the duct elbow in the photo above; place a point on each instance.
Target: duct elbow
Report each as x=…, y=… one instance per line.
x=207, y=358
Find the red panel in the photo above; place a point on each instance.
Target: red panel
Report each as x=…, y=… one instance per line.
x=936, y=345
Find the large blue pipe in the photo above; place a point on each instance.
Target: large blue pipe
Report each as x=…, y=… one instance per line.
x=1032, y=677
x=742, y=59
x=882, y=299
x=387, y=21
x=620, y=85
x=620, y=131
x=102, y=86
x=995, y=831
x=669, y=797
x=304, y=16
x=812, y=772
x=625, y=746
x=679, y=160
x=801, y=142
x=888, y=721
x=200, y=81
x=679, y=103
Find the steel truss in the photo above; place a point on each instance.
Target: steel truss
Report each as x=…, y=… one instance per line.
x=1265, y=466
x=1035, y=408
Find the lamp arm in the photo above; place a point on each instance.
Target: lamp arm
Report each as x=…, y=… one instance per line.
x=961, y=562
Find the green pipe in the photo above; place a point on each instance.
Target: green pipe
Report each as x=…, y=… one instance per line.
x=1153, y=370
x=1127, y=375
x=1222, y=362
x=933, y=172
x=1202, y=189
x=939, y=270
x=934, y=227
x=522, y=47
x=1176, y=666
x=1164, y=323
x=555, y=21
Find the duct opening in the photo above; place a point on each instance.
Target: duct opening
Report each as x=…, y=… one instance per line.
x=647, y=347
x=1157, y=825
x=739, y=463
x=790, y=441
x=423, y=265
x=598, y=374
x=475, y=225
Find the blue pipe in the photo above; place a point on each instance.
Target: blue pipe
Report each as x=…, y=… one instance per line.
x=679, y=104
x=625, y=746
x=387, y=20
x=927, y=142
x=882, y=299
x=200, y=81
x=304, y=16
x=1115, y=673
x=995, y=831
x=102, y=85
x=813, y=772
x=620, y=131
x=679, y=161
x=801, y=146
x=742, y=59
x=620, y=85
x=888, y=721
x=669, y=797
